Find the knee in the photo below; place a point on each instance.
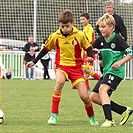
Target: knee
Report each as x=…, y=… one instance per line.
x=94, y=98
x=85, y=99
x=60, y=83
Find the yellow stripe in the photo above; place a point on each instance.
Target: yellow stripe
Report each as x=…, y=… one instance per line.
x=57, y=94
x=92, y=73
x=63, y=72
x=90, y=103
x=76, y=82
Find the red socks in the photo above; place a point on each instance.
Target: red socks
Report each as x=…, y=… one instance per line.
x=55, y=102
x=87, y=82
x=89, y=110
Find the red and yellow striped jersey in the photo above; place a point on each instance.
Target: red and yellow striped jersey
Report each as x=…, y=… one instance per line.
x=68, y=49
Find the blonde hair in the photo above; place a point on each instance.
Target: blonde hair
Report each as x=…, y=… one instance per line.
x=107, y=20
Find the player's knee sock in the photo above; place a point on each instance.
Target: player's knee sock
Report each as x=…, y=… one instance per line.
x=89, y=110
x=86, y=81
x=95, y=75
x=107, y=111
x=117, y=108
x=87, y=84
x=55, y=102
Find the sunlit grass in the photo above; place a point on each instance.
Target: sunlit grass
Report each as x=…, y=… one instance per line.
x=27, y=106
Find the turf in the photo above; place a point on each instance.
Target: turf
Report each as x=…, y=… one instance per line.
x=27, y=106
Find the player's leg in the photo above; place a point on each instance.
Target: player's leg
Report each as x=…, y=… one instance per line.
x=86, y=77
x=124, y=111
x=91, y=72
x=95, y=93
x=60, y=81
x=83, y=93
x=94, y=75
x=95, y=98
x=100, y=96
x=105, y=100
x=108, y=85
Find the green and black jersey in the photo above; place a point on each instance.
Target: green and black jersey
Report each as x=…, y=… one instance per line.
x=112, y=50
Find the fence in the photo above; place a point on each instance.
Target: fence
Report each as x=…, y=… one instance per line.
x=21, y=18
x=14, y=60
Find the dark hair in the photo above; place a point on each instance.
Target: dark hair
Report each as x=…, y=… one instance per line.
x=86, y=15
x=65, y=17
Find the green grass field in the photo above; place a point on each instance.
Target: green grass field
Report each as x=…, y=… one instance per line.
x=27, y=106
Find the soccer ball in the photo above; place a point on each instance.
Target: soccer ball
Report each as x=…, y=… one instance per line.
x=2, y=116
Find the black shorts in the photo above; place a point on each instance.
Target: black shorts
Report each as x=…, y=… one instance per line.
x=111, y=80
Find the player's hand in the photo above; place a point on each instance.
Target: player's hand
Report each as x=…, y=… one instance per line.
x=89, y=59
x=96, y=51
x=116, y=65
x=29, y=64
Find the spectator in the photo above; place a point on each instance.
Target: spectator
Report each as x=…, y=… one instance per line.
x=120, y=27
x=30, y=48
x=45, y=61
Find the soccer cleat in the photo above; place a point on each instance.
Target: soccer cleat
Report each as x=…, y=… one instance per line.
x=93, y=121
x=53, y=119
x=108, y=123
x=126, y=115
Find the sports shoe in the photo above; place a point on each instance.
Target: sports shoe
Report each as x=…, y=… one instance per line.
x=93, y=121
x=53, y=119
x=108, y=123
x=126, y=115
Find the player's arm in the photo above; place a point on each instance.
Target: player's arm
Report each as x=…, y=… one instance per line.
x=90, y=55
x=122, y=61
x=39, y=56
x=129, y=56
